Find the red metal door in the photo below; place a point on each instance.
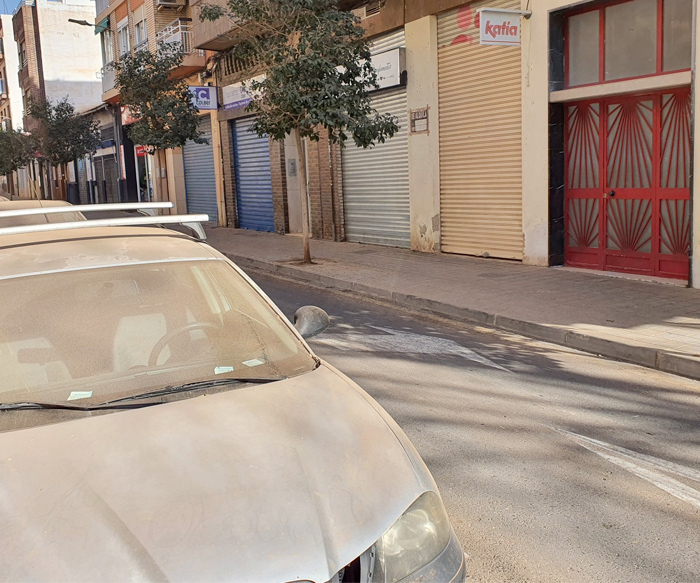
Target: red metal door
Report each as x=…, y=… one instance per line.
x=627, y=183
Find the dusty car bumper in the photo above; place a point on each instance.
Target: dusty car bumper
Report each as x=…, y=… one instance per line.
x=448, y=567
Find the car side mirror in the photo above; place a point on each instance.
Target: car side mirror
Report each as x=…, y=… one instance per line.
x=311, y=321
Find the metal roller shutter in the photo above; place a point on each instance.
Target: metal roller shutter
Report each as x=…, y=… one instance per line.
x=375, y=180
x=253, y=178
x=200, y=178
x=479, y=91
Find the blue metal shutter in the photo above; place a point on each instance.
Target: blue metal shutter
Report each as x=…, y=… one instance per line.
x=253, y=178
x=200, y=178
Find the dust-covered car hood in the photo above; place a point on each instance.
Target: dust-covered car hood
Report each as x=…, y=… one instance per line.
x=279, y=482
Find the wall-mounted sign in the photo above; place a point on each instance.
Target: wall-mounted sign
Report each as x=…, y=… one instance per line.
x=389, y=67
x=500, y=27
x=140, y=151
x=204, y=98
x=235, y=96
x=420, y=121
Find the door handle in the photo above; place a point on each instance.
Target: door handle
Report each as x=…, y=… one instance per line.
x=611, y=193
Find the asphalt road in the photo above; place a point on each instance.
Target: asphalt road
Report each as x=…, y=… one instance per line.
x=554, y=465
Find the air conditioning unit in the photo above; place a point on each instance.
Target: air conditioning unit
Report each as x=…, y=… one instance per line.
x=179, y=4
x=369, y=9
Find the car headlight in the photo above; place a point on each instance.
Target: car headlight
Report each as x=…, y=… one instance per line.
x=414, y=540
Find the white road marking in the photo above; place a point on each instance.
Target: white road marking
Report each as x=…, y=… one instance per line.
x=403, y=342
x=644, y=466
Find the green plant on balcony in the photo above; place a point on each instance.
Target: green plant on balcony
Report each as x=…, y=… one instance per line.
x=317, y=74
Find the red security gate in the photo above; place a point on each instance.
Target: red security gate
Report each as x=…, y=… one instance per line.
x=627, y=183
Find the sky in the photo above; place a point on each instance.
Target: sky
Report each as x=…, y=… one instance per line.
x=8, y=6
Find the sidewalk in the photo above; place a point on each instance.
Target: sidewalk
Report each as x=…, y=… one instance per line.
x=650, y=324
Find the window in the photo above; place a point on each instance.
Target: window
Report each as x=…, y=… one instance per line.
x=140, y=29
x=123, y=36
x=107, y=47
x=624, y=40
x=22, y=54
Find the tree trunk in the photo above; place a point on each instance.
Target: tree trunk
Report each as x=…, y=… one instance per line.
x=304, y=197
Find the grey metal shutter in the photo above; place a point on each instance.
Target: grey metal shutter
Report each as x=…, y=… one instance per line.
x=253, y=178
x=375, y=180
x=479, y=93
x=200, y=178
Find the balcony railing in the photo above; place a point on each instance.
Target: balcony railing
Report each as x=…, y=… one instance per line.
x=179, y=31
x=142, y=45
x=108, y=81
x=101, y=6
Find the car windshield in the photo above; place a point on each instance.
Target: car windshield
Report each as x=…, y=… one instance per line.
x=94, y=335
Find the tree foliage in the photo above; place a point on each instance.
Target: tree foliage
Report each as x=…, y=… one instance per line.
x=17, y=149
x=316, y=66
x=62, y=135
x=167, y=118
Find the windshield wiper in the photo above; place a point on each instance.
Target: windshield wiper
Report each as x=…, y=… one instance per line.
x=66, y=407
x=173, y=389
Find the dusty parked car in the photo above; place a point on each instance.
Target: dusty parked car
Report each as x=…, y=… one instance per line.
x=160, y=419
x=36, y=219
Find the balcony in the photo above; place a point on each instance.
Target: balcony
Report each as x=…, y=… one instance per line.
x=109, y=90
x=180, y=31
x=101, y=6
x=213, y=36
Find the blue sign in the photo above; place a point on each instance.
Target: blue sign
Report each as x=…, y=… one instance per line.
x=204, y=98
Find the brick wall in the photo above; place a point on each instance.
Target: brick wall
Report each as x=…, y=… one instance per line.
x=279, y=187
x=325, y=190
x=229, y=178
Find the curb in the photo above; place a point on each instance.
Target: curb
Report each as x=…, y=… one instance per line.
x=640, y=355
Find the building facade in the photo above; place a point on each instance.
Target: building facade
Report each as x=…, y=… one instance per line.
x=186, y=176
x=572, y=147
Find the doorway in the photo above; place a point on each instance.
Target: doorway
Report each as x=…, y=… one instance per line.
x=627, y=195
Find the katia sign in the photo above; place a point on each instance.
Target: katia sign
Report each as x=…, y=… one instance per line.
x=499, y=27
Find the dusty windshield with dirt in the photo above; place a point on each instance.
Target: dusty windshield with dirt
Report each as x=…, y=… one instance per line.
x=93, y=335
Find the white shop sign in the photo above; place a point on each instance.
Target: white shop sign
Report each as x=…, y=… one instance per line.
x=236, y=95
x=500, y=27
x=389, y=67
x=204, y=98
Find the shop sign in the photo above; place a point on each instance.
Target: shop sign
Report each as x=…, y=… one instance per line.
x=420, y=121
x=389, y=67
x=499, y=27
x=236, y=95
x=204, y=98
x=140, y=151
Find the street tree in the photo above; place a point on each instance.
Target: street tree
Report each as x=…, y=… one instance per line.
x=315, y=75
x=165, y=114
x=62, y=135
x=17, y=149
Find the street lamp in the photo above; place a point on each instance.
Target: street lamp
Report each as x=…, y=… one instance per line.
x=81, y=22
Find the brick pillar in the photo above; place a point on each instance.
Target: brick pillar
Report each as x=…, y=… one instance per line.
x=229, y=178
x=324, y=189
x=279, y=187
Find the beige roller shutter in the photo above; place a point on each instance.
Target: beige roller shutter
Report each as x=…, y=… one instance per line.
x=479, y=89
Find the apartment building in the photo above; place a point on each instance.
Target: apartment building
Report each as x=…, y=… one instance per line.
x=126, y=26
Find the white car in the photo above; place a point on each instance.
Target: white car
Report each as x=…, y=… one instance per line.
x=161, y=420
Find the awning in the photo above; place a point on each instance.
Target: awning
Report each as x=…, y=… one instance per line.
x=102, y=26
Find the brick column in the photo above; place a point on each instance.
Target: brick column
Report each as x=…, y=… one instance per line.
x=229, y=178
x=279, y=187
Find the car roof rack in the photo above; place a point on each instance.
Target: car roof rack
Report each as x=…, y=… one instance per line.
x=192, y=222
x=148, y=208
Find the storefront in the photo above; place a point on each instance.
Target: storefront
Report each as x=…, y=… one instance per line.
x=479, y=93
x=200, y=175
x=614, y=192
x=376, y=180
x=251, y=159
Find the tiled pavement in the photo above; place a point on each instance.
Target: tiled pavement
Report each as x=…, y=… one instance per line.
x=652, y=324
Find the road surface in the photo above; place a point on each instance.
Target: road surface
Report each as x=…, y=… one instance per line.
x=554, y=465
